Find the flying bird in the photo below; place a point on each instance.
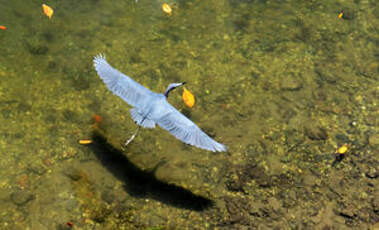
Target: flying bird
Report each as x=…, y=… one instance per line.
x=150, y=108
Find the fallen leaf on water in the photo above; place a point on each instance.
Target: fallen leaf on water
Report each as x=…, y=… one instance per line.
x=97, y=121
x=47, y=10
x=340, y=15
x=85, y=142
x=188, y=98
x=343, y=149
x=97, y=118
x=167, y=8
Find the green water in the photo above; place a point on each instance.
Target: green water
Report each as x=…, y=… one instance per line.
x=282, y=83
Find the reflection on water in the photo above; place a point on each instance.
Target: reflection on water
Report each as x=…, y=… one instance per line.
x=284, y=84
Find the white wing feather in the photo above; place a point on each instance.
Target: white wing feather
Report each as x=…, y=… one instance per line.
x=167, y=117
x=121, y=85
x=187, y=131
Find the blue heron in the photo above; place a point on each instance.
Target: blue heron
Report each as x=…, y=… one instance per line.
x=152, y=108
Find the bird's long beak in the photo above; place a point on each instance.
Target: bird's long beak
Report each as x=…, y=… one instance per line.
x=173, y=86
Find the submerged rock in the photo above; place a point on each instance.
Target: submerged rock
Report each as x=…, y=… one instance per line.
x=73, y=173
x=373, y=139
x=21, y=197
x=315, y=132
x=290, y=83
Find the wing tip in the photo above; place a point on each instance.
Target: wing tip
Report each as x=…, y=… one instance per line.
x=98, y=59
x=220, y=148
x=99, y=56
x=213, y=146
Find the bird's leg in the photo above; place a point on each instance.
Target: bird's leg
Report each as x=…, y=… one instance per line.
x=132, y=137
x=135, y=134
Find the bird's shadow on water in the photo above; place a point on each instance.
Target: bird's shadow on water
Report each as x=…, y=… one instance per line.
x=142, y=183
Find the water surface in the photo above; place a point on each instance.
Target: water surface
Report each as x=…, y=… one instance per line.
x=283, y=84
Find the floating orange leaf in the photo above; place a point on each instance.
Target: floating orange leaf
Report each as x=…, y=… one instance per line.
x=167, y=8
x=97, y=121
x=188, y=98
x=97, y=118
x=3, y=27
x=47, y=10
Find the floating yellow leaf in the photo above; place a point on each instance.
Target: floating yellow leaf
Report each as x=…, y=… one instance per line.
x=340, y=15
x=167, y=8
x=343, y=149
x=85, y=142
x=188, y=98
x=47, y=10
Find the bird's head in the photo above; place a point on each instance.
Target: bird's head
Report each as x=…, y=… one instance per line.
x=172, y=86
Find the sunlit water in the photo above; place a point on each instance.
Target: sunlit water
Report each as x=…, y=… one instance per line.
x=282, y=83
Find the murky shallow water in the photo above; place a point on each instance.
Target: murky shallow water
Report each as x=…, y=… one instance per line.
x=282, y=84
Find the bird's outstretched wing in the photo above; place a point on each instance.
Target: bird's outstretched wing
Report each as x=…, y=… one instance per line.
x=120, y=84
x=187, y=131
